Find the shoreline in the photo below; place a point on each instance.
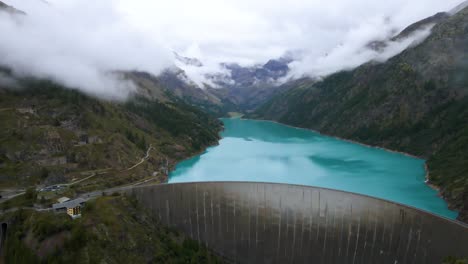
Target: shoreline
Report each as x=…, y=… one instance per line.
x=426, y=170
x=428, y=182
x=172, y=166
x=340, y=138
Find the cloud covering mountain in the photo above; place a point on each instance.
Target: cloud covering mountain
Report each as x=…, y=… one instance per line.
x=81, y=43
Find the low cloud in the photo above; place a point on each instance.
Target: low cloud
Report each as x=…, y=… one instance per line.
x=353, y=54
x=7, y=81
x=81, y=43
x=327, y=36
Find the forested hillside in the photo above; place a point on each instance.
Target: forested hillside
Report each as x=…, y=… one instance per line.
x=416, y=102
x=52, y=134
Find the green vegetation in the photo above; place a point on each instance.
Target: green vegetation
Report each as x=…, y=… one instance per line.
x=51, y=134
x=113, y=229
x=415, y=102
x=174, y=119
x=25, y=200
x=453, y=260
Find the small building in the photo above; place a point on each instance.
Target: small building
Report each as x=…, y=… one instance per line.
x=63, y=199
x=26, y=110
x=71, y=207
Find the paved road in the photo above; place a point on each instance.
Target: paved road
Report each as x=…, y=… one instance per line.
x=27, y=208
x=11, y=194
x=90, y=195
x=102, y=171
x=85, y=196
x=95, y=194
x=110, y=191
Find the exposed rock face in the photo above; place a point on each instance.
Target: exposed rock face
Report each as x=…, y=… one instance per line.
x=236, y=88
x=416, y=102
x=246, y=88
x=188, y=61
x=256, y=75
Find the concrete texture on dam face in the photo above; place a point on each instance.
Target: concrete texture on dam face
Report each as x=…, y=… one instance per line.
x=278, y=223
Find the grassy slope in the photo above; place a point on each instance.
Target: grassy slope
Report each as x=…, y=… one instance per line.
x=113, y=229
x=416, y=102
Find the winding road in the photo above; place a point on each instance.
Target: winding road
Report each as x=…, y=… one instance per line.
x=89, y=195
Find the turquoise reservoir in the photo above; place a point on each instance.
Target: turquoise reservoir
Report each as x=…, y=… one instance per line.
x=263, y=151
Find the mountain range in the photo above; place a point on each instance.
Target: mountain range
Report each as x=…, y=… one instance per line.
x=239, y=88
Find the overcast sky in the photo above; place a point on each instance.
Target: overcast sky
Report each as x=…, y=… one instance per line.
x=79, y=42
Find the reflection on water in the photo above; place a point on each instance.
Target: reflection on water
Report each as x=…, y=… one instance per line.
x=268, y=152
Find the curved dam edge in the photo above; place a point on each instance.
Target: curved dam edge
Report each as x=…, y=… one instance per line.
x=249, y=222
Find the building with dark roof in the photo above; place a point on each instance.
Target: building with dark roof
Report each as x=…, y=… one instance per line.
x=71, y=207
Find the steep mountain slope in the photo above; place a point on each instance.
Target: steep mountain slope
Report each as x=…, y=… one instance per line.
x=245, y=99
x=416, y=102
x=51, y=134
x=172, y=84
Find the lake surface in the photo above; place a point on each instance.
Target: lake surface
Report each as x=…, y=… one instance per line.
x=263, y=151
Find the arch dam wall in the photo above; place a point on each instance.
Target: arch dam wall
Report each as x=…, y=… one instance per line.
x=278, y=223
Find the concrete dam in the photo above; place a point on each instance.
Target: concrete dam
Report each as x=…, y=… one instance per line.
x=249, y=222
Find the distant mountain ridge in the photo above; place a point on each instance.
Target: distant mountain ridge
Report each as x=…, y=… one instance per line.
x=459, y=8
x=249, y=87
x=241, y=89
x=10, y=9
x=267, y=73
x=188, y=61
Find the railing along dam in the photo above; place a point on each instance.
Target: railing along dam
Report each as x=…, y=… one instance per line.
x=278, y=223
